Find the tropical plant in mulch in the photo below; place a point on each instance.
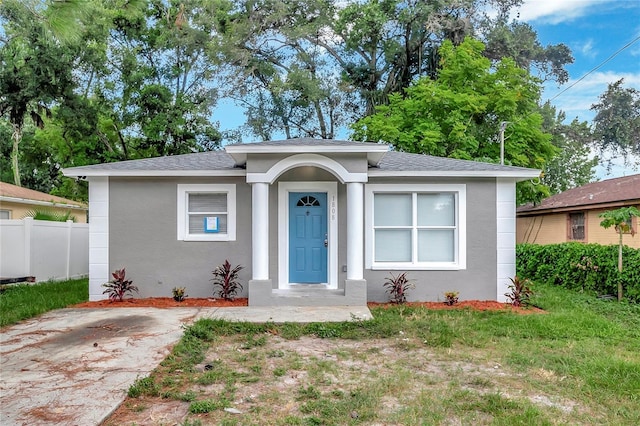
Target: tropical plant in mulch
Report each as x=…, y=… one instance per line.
x=226, y=283
x=451, y=298
x=179, y=294
x=119, y=286
x=519, y=291
x=397, y=287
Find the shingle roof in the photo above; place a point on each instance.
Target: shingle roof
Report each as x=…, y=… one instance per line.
x=623, y=190
x=220, y=163
x=402, y=161
x=199, y=161
x=8, y=190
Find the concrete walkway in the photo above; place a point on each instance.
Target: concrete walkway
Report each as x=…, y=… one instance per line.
x=74, y=366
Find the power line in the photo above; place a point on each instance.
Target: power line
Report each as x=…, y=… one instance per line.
x=598, y=67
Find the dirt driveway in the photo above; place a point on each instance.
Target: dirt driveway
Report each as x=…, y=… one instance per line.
x=74, y=366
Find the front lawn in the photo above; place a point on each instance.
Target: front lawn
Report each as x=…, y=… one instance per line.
x=22, y=301
x=577, y=364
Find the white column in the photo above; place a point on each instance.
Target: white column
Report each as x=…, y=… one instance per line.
x=355, y=230
x=260, y=230
x=98, y=236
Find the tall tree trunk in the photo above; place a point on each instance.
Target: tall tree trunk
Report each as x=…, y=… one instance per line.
x=16, y=137
x=620, y=266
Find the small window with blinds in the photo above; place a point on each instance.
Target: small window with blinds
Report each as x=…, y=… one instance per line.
x=206, y=212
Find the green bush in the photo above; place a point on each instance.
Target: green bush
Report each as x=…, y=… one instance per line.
x=582, y=267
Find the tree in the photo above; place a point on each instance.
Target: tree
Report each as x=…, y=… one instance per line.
x=620, y=219
x=519, y=41
x=459, y=114
x=35, y=72
x=617, y=120
x=571, y=166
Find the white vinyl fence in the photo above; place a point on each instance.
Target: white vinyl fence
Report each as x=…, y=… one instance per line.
x=43, y=249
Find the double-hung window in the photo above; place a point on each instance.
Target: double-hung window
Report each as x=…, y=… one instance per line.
x=206, y=212
x=416, y=226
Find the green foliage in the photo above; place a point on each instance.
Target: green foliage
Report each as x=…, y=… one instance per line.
x=225, y=277
x=397, y=287
x=179, y=294
x=51, y=215
x=207, y=406
x=144, y=386
x=619, y=219
x=519, y=291
x=23, y=301
x=459, y=114
x=119, y=286
x=571, y=166
x=584, y=267
x=617, y=121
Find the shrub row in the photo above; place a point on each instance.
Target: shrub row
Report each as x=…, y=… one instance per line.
x=584, y=267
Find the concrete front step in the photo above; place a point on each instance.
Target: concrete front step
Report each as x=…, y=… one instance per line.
x=313, y=297
x=262, y=293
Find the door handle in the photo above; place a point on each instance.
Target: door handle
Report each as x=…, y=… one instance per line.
x=326, y=241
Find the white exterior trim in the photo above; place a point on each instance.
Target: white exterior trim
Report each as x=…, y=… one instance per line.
x=506, y=235
x=298, y=160
x=99, y=272
x=77, y=172
x=183, y=223
x=518, y=175
x=331, y=188
x=461, y=214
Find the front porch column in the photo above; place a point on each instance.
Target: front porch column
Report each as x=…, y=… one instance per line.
x=355, y=230
x=260, y=230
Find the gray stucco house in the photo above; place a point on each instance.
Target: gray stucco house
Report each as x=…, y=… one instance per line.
x=314, y=222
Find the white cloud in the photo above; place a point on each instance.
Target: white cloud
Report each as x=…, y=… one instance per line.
x=577, y=101
x=588, y=50
x=556, y=11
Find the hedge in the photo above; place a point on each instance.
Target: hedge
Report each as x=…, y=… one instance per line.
x=584, y=267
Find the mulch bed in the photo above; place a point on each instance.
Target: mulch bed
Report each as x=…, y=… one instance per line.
x=164, y=302
x=168, y=302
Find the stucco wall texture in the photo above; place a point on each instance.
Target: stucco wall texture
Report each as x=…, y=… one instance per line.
x=143, y=238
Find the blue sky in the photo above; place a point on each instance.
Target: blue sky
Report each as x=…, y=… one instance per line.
x=593, y=29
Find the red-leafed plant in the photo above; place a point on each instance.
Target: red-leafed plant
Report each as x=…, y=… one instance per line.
x=226, y=279
x=451, y=298
x=519, y=291
x=397, y=287
x=119, y=286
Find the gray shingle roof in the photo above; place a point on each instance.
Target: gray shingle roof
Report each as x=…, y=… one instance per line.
x=402, y=161
x=220, y=163
x=211, y=160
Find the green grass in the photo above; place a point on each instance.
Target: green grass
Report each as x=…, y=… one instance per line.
x=19, y=302
x=578, y=363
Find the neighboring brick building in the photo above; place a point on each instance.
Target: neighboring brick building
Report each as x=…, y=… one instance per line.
x=574, y=214
x=16, y=202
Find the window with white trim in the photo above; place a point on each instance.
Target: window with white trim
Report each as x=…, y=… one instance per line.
x=416, y=226
x=207, y=212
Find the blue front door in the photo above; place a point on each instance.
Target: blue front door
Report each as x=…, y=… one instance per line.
x=308, y=237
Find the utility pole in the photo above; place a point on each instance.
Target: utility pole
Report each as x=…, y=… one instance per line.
x=503, y=126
